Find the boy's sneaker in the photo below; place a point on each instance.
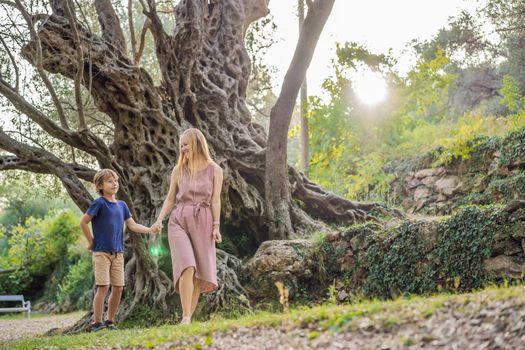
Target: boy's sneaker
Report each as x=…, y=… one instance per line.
x=110, y=325
x=95, y=327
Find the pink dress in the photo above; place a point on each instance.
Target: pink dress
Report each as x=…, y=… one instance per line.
x=190, y=230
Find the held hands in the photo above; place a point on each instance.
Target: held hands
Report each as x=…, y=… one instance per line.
x=89, y=246
x=156, y=227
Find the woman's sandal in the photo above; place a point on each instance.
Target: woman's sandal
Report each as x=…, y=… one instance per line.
x=186, y=320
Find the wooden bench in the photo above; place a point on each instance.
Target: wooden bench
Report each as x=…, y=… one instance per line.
x=26, y=305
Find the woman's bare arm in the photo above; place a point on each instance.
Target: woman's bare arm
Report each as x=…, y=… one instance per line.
x=169, y=202
x=216, y=203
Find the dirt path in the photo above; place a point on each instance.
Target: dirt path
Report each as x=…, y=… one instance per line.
x=474, y=323
x=23, y=328
x=471, y=326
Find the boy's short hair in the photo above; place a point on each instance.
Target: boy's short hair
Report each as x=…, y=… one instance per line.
x=101, y=176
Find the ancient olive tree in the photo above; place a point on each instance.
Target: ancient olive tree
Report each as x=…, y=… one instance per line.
x=116, y=116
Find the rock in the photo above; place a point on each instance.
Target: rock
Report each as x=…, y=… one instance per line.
x=342, y=295
x=285, y=261
x=429, y=172
x=517, y=163
x=480, y=184
x=424, y=197
x=494, y=164
x=518, y=230
x=507, y=247
x=506, y=266
x=440, y=206
x=441, y=198
x=448, y=185
x=429, y=181
x=421, y=192
x=413, y=183
x=361, y=241
x=346, y=261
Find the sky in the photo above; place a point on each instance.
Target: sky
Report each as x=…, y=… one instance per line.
x=378, y=24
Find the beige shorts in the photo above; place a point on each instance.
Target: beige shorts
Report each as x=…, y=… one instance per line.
x=109, y=268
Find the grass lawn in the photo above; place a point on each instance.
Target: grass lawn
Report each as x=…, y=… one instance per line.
x=335, y=318
x=34, y=315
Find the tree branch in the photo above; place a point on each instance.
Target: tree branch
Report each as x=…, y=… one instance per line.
x=111, y=29
x=80, y=68
x=10, y=270
x=42, y=160
x=13, y=61
x=38, y=64
x=145, y=28
x=131, y=25
x=156, y=25
x=15, y=163
x=59, y=7
x=8, y=3
x=85, y=140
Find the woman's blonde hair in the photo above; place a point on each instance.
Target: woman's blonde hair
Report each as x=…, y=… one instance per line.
x=199, y=152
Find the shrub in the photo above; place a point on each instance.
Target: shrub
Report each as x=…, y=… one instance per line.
x=451, y=256
x=464, y=243
x=399, y=263
x=74, y=292
x=15, y=282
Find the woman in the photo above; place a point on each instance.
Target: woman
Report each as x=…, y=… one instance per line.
x=193, y=226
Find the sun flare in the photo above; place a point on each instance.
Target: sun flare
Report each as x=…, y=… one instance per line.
x=370, y=87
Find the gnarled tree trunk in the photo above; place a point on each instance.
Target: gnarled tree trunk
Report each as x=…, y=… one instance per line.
x=204, y=74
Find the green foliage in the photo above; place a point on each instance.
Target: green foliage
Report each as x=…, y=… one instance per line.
x=18, y=204
x=370, y=181
x=351, y=55
x=75, y=289
x=401, y=267
x=463, y=245
x=338, y=138
x=26, y=246
x=352, y=147
x=512, y=147
x=40, y=249
x=427, y=87
x=40, y=243
x=511, y=94
x=15, y=282
x=463, y=141
x=410, y=260
x=502, y=190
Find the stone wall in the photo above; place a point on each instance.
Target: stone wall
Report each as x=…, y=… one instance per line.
x=493, y=173
x=474, y=247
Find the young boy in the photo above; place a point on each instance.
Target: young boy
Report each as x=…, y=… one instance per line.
x=107, y=216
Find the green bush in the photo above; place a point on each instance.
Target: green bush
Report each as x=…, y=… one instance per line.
x=508, y=188
x=19, y=204
x=41, y=243
x=399, y=263
x=464, y=243
x=512, y=146
x=15, y=282
x=40, y=249
x=408, y=261
x=74, y=292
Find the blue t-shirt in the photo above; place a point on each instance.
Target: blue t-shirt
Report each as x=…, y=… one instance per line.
x=108, y=224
